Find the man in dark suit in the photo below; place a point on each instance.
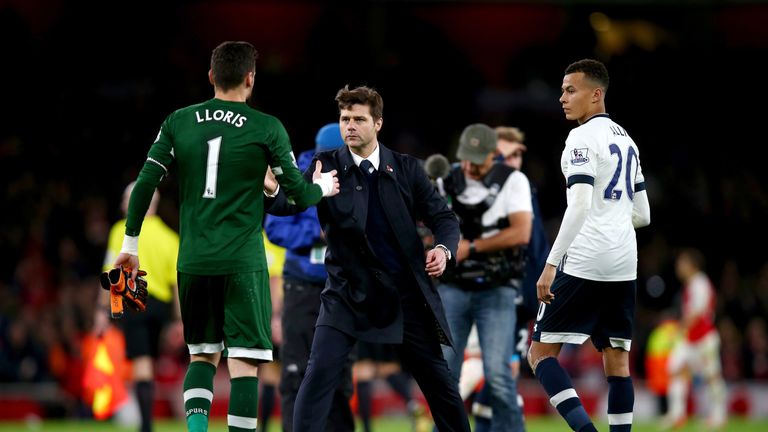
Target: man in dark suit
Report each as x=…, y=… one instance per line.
x=379, y=286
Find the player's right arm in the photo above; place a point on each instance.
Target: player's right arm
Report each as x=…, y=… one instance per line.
x=579, y=165
x=580, y=179
x=155, y=168
x=579, y=203
x=289, y=177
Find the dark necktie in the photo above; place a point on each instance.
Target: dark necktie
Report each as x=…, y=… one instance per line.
x=367, y=167
x=378, y=231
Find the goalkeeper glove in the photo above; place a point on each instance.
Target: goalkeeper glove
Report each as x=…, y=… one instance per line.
x=115, y=299
x=124, y=291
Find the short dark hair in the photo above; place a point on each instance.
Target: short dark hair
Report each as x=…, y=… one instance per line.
x=592, y=69
x=230, y=62
x=361, y=95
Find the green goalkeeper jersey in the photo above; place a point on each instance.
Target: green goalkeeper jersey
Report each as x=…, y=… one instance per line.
x=220, y=151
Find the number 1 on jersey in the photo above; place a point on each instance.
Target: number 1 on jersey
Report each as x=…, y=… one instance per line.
x=212, y=170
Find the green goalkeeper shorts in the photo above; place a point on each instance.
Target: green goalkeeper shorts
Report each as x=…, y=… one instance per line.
x=227, y=311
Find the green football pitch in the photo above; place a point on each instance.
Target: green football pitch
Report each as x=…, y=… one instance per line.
x=381, y=424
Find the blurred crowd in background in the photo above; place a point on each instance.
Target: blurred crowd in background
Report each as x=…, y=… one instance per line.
x=84, y=99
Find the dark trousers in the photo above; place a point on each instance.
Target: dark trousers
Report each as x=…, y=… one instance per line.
x=300, y=309
x=420, y=354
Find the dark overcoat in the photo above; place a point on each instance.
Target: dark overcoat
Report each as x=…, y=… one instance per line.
x=360, y=296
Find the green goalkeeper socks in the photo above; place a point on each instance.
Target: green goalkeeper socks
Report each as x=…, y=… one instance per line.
x=198, y=394
x=243, y=404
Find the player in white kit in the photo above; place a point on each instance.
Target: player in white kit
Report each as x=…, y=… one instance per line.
x=697, y=352
x=587, y=288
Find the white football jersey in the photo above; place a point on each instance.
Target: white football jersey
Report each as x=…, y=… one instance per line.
x=600, y=152
x=514, y=196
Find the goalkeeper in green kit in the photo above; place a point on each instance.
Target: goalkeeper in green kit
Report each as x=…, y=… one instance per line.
x=220, y=151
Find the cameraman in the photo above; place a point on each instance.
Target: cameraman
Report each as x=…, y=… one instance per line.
x=493, y=204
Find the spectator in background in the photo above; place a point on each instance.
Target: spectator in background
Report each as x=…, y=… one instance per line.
x=761, y=290
x=697, y=353
x=142, y=330
x=493, y=205
x=510, y=150
x=22, y=358
x=736, y=300
x=304, y=277
x=732, y=349
x=756, y=346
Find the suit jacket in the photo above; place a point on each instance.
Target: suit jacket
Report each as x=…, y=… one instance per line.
x=360, y=296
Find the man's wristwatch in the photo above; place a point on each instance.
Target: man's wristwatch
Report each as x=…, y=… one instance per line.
x=472, y=249
x=445, y=249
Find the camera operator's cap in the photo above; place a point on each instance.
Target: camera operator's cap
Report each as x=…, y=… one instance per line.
x=328, y=138
x=477, y=141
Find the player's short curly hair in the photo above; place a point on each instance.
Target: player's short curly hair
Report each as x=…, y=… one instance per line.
x=363, y=96
x=593, y=69
x=230, y=62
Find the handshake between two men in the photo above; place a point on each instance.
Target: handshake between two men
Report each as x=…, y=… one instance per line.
x=328, y=181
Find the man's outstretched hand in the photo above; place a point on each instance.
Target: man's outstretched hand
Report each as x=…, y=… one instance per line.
x=327, y=181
